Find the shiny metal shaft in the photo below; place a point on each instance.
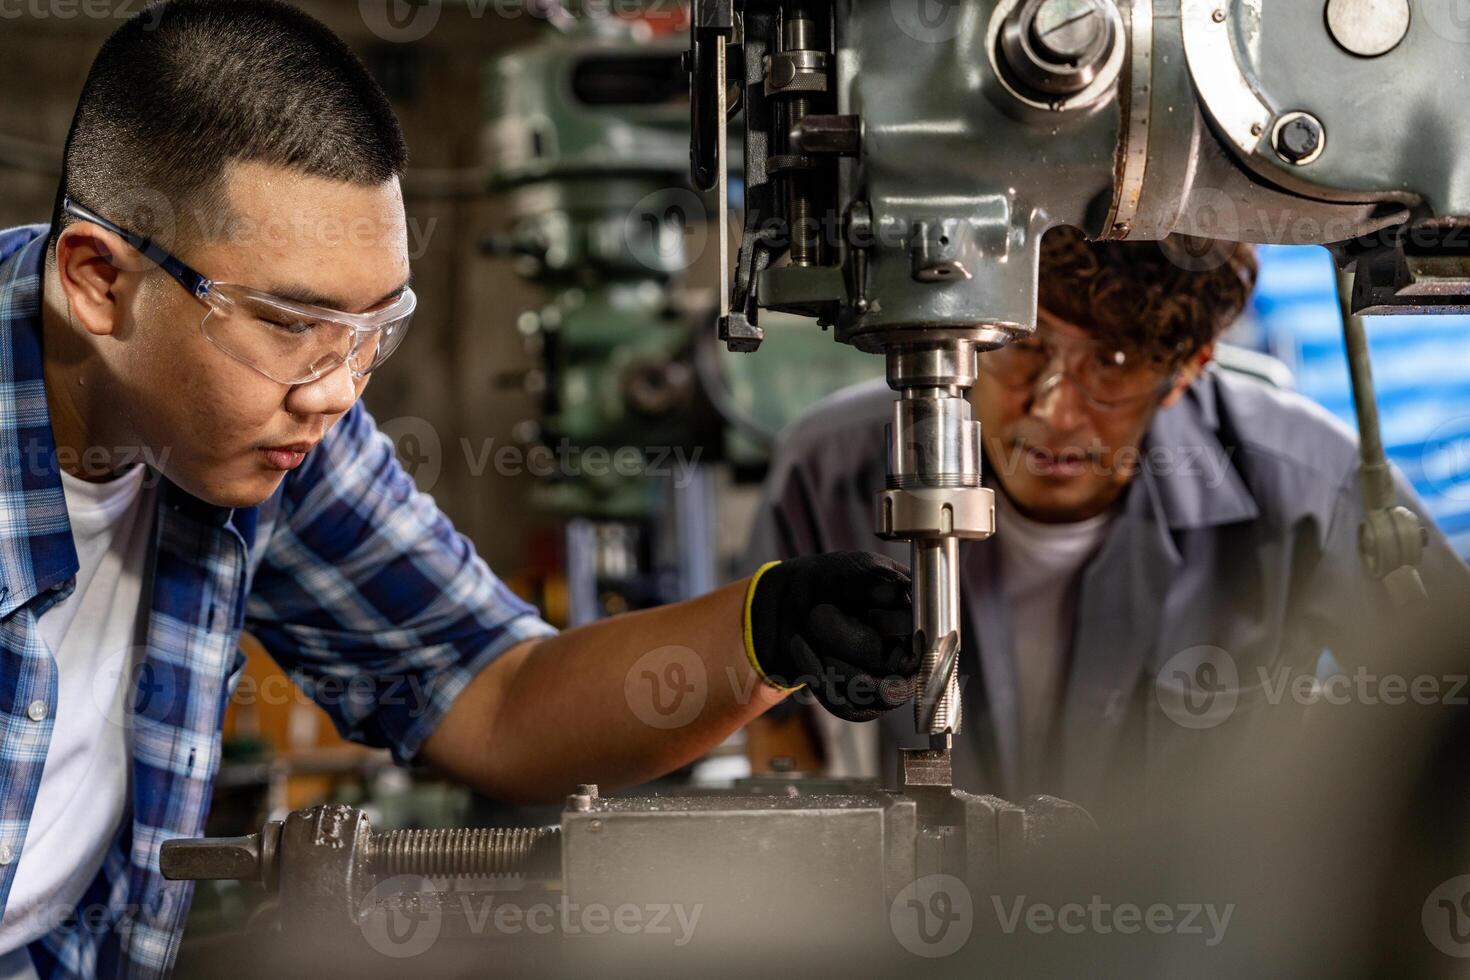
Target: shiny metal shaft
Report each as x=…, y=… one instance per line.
x=936, y=615
x=934, y=499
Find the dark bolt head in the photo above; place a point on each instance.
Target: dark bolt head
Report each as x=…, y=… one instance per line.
x=1299, y=139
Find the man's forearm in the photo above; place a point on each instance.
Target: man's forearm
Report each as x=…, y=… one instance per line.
x=616, y=702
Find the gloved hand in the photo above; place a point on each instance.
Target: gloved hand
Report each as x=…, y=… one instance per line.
x=840, y=624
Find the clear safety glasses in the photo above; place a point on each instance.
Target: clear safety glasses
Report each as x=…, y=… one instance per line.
x=1108, y=379
x=290, y=343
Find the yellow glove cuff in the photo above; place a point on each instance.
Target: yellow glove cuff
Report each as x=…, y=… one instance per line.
x=749, y=633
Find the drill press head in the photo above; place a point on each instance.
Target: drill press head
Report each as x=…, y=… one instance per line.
x=903, y=161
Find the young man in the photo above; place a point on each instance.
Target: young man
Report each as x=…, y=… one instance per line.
x=226, y=264
x=1173, y=541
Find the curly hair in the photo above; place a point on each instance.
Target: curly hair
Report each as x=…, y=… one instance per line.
x=1163, y=301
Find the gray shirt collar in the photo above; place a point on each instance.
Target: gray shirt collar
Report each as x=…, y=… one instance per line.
x=1189, y=477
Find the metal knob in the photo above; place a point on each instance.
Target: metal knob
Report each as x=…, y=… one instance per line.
x=1065, y=30
x=248, y=858
x=1057, y=47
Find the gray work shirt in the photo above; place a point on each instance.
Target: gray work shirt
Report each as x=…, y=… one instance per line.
x=1231, y=565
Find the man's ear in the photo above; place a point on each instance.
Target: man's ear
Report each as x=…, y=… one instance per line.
x=1188, y=372
x=88, y=267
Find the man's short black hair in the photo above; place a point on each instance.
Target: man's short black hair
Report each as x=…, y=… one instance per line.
x=187, y=87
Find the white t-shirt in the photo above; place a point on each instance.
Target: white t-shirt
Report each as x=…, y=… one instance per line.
x=1040, y=566
x=84, y=785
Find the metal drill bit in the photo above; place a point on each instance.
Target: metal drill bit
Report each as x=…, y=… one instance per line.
x=946, y=657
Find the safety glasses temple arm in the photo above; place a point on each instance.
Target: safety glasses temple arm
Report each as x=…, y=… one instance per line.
x=186, y=277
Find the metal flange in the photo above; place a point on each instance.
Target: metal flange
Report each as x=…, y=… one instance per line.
x=937, y=512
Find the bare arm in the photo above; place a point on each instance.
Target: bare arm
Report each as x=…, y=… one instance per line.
x=615, y=702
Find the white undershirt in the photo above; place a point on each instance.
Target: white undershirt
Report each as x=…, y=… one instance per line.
x=1040, y=565
x=84, y=785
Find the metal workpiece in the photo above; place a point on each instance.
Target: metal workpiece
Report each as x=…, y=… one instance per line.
x=826, y=864
x=926, y=768
x=772, y=867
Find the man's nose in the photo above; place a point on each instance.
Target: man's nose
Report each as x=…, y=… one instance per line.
x=1057, y=401
x=331, y=394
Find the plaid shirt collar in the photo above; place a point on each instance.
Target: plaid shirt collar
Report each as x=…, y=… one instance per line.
x=36, y=549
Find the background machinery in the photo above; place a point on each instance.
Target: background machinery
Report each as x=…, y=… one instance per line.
x=585, y=131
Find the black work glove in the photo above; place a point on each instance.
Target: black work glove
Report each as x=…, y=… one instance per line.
x=839, y=624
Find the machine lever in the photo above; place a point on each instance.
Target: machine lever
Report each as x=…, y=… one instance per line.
x=712, y=24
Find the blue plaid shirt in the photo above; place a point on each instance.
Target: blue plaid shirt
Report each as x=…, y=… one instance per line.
x=354, y=581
